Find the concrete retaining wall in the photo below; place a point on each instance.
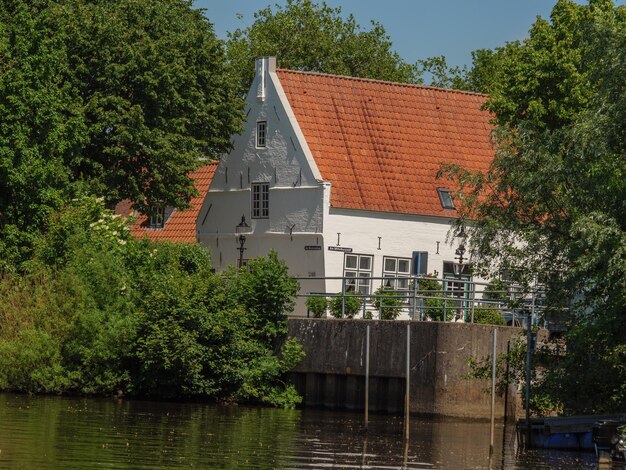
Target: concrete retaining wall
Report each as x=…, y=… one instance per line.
x=332, y=374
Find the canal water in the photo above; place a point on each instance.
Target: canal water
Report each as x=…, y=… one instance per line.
x=69, y=433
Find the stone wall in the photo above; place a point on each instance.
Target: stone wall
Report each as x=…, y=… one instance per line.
x=333, y=371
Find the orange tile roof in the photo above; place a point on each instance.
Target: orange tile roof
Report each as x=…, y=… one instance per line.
x=180, y=225
x=381, y=144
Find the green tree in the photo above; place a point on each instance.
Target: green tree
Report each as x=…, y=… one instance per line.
x=554, y=199
x=305, y=35
x=119, y=99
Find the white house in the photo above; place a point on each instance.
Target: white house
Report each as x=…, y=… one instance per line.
x=338, y=174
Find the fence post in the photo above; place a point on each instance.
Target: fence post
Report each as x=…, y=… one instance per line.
x=367, y=374
x=343, y=297
x=414, y=299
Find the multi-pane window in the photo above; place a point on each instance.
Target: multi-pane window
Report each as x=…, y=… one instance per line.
x=358, y=267
x=261, y=133
x=260, y=200
x=157, y=217
x=396, y=272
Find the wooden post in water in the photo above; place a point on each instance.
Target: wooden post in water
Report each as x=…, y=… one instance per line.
x=367, y=375
x=407, y=395
x=528, y=371
x=493, y=392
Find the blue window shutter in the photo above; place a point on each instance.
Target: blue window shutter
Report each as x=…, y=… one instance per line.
x=420, y=262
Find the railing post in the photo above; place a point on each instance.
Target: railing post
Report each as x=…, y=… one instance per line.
x=414, y=299
x=493, y=391
x=367, y=374
x=343, y=297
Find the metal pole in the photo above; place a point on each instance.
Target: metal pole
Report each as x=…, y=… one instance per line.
x=493, y=391
x=343, y=297
x=528, y=358
x=473, y=306
x=242, y=241
x=367, y=375
x=414, y=299
x=506, y=380
x=407, y=399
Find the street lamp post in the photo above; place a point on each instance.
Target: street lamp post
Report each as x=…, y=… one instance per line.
x=241, y=229
x=458, y=267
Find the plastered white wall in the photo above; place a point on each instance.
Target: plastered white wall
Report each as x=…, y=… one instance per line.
x=400, y=235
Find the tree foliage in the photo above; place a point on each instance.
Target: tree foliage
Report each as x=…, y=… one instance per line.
x=304, y=35
x=554, y=199
x=118, y=99
x=99, y=312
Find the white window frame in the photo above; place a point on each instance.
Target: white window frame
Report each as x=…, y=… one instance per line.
x=260, y=200
x=362, y=286
x=261, y=134
x=157, y=217
x=395, y=275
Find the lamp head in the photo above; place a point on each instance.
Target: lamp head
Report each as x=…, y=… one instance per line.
x=242, y=227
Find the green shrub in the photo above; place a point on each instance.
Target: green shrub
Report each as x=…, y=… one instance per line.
x=484, y=313
x=435, y=308
x=497, y=289
x=388, y=302
x=317, y=305
x=353, y=304
x=98, y=312
x=267, y=292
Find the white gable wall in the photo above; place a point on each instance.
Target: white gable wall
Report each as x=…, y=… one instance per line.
x=296, y=194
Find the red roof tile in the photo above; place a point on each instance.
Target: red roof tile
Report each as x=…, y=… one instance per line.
x=180, y=225
x=381, y=144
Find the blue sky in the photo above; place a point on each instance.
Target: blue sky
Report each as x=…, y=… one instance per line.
x=418, y=28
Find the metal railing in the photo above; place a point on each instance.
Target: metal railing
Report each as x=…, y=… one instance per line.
x=452, y=299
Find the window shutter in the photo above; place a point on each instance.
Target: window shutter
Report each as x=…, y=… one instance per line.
x=420, y=262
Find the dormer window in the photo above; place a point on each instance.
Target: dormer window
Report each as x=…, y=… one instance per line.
x=261, y=133
x=157, y=217
x=446, y=198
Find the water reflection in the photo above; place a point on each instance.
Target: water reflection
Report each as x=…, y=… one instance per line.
x=53, y=432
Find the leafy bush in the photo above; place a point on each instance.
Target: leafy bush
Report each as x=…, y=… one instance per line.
x=435, y=308
x=496, y=290
x=267, y=292
x=350, y=309
x=317, y=305
x=388, y=303
x=483, y=313
x=99, y=312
